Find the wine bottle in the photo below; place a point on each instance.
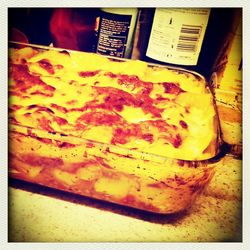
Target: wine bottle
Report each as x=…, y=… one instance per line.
x=185, y=37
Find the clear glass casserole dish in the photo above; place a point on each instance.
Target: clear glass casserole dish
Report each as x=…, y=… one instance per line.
x=150, y=150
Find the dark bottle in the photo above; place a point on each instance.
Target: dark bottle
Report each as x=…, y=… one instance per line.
x=184, y=37
x=115, y=31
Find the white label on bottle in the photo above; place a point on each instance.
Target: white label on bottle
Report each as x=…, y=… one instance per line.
x=177, y=35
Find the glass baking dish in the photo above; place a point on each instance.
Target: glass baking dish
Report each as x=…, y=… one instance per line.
x=117, y=174
x=131, y=178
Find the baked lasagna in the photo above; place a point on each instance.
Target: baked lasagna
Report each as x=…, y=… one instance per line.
x=122, y=131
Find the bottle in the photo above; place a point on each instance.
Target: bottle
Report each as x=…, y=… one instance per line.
x=115, y=31
x=185, y=37
x=227, y=67
x=142, y=32
x=226, y=84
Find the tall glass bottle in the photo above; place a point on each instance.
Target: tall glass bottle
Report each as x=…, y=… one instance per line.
x=185, y=37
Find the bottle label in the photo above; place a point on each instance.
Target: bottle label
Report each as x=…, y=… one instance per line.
x=113, y=34
x=177, y=35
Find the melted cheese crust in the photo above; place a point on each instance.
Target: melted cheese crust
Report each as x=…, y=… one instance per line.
x=130, y=104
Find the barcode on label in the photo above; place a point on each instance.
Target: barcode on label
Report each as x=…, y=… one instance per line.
x=189, y=38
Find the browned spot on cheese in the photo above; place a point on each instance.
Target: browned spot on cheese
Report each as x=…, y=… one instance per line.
x=88, y=73
x=172, y=88
x=148, y=137
x=122, y=134
x=183, y=124
x=100, y=118
x=177, y=141
x=45, y=64
x=59, y=108
x=60, y=121
x=65, y=144
x=45, y=124
x=24, y=81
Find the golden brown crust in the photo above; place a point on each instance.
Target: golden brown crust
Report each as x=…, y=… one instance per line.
x=157, y=111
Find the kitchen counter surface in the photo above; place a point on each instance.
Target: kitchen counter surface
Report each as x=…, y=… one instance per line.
x=40, y=214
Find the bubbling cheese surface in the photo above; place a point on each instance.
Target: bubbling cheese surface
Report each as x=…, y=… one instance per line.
x=128, y=104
